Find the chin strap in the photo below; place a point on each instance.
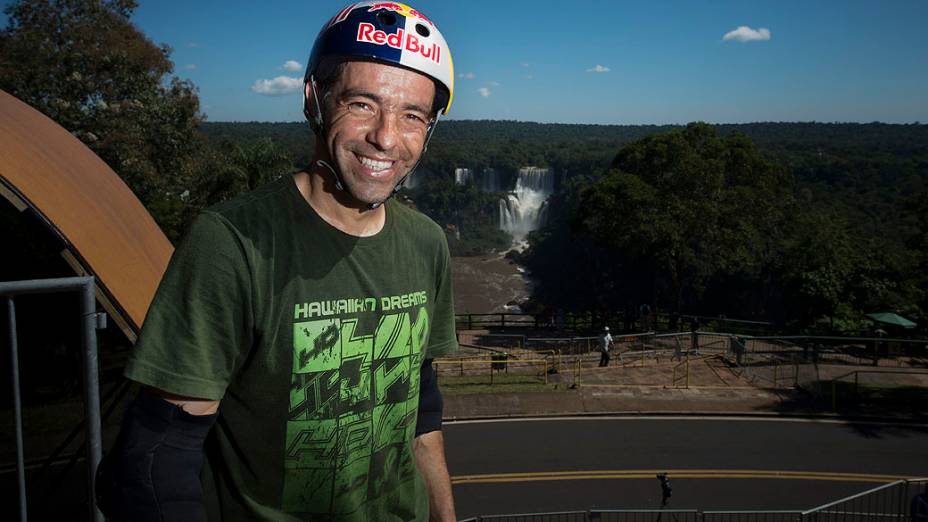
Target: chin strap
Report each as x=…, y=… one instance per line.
x=318, y=123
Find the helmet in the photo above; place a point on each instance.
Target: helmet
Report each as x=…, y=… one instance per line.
x=387, y=32
x=606, y=329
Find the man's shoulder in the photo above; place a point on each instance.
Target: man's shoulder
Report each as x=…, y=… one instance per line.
x=262, y=202
x=408, y=217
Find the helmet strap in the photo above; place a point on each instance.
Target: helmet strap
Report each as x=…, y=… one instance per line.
x=317, y=121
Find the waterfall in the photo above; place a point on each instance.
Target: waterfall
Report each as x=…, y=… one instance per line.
x=523, y=210
x=463, y=176
x=489, y=180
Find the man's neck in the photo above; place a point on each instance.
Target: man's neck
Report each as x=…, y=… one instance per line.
x=335, y=207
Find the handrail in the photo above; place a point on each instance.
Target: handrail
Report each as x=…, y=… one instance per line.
x=91, y=322
x=854, y=497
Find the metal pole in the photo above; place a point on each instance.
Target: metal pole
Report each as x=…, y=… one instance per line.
x=17, y=408
x=91, y=394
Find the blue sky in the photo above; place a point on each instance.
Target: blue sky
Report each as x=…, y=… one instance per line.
x=658, y=62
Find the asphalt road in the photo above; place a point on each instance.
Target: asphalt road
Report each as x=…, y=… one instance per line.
x=526, y=466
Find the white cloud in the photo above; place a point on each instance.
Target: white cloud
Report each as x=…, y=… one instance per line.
x=484, y=92
x=467, y=76
x=279, y=86
x=599, y=69
x=746, y=34
x=525, y=64
x=493, y=84
x=530, y=77
x=190, y=67
x=292, y=65
x=194, y=45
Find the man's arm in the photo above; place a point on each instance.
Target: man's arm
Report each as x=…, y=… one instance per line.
x=153, y=470
x=430, y=458
x=429, y=446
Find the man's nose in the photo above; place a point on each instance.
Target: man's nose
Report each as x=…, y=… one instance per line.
x=383, y=134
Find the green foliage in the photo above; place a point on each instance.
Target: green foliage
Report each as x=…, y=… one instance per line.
x=233, y=168
x=687, y=204
x=84, y=64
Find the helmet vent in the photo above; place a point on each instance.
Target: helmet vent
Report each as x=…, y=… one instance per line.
x=386, y=18
x=423, y=30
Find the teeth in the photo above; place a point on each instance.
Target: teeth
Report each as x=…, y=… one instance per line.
x=374, y=164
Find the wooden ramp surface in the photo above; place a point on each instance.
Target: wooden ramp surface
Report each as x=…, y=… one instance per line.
x=108, y=232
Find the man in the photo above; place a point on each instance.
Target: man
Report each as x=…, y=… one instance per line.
x=295, y=326
x=605, y=344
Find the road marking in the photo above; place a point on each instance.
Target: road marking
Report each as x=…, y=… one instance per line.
x=493, y=478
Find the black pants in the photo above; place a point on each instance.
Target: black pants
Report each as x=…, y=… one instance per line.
x=604, y=360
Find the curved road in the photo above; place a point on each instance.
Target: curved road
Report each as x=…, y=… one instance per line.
x=535, y=465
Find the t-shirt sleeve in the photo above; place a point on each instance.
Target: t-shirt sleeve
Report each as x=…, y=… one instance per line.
x=200, y=322
x=442, y=339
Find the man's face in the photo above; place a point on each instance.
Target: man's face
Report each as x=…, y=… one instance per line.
x=377, y=118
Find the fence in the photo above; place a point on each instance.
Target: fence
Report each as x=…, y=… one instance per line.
x=91, y=321
x=902, y=501
x=618, y=321
x=810, y=363
x=488, y=370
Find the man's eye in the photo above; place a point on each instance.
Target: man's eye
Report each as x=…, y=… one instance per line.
x=415, y=119
x=359, y=107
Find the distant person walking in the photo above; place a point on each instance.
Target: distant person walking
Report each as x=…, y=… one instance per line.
x=645, y=313
x=605, y=345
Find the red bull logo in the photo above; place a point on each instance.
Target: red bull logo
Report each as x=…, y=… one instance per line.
x=399, y=40
x=402, y=9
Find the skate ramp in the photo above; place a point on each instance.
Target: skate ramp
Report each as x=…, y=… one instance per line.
x=106, y=230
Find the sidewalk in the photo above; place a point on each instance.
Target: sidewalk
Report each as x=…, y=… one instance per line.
x=594, y=400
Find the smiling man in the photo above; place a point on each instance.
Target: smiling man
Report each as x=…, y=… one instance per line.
x=287, y=355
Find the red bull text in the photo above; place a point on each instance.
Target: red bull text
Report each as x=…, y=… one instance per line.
x=399, y=40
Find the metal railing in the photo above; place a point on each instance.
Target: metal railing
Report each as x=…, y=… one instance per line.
x=896, y=501
x=886, y=502
x=753, y=362
x=751, y=516
x=618, y=321
x=645, y=515
x=564, y=516
x=490, y=367
x=91, y=321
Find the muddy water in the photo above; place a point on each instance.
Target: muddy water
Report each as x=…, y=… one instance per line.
x=485, y=284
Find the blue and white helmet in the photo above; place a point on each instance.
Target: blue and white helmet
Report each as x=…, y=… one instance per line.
x=387, y=32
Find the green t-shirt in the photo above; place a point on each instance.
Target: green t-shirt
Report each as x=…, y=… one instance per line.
x=313, y=340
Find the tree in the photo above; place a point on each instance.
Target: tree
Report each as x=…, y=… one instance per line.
x=85, y=65
x=238, y=167
x=685, y=205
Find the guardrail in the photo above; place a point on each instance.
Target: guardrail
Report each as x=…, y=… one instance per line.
x=902, y=501
x=91, y=321
x=494, y=365
x=618, y=321
x=857, y=374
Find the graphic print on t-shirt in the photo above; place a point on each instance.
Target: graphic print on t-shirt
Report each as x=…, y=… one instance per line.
x=353, y=401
